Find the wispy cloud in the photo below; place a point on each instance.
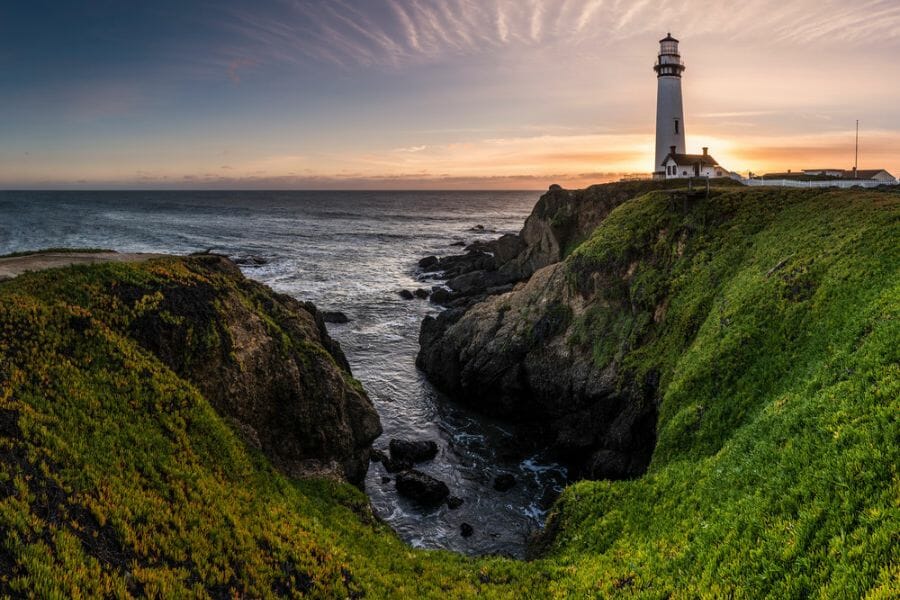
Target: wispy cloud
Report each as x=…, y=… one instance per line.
x=587, y=13
x=401, y=32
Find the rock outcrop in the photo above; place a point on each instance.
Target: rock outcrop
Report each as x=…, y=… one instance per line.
x=264, y=360
x=508, y=356
x=421, y=487
x=560, y=220
x=504, y=345
x=413, y=451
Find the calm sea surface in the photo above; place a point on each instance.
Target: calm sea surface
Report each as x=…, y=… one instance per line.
x=347, y=251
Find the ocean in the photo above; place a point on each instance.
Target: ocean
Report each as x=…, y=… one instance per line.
x=350, y=252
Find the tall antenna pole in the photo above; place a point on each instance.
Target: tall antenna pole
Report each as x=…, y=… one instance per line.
x=856, y=158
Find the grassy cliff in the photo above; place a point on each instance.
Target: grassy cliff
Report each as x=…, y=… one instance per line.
x=772, y=320
x=769, y=319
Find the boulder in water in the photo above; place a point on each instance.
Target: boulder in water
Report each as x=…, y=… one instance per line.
x=421, y=293
x=412, y=451
x=335, y=316
x=454, y=502
x=422, y=488
x=406, y=294
x=440, y=295
x=466, y=530
x=428, y=262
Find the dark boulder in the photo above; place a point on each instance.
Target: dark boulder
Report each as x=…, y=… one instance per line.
x=428, y=262
x=406, y=294
x=458, y=243
x=335, y=316
x=477, y=281
x=466, y=530
x=474, y=260
x=504, y=482
x=412, y=451
x=420, y=293
x=440, y=295
x=454, y=502
x=505, y=248
x=422, y=488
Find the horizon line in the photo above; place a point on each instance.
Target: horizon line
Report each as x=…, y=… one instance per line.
x=4, y=190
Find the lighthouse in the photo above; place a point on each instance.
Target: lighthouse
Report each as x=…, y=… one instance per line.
x=669, y=107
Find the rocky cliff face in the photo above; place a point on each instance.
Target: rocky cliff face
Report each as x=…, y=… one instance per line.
x=509, y=356
x=264, y=361
x=521, y=354
x=560, y=221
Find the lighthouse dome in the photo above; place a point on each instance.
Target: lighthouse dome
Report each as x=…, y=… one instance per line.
x=668, y=47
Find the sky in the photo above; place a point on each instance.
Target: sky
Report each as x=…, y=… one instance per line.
x=432, y=94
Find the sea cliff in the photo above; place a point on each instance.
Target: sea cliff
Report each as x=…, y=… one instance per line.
x=613, y=283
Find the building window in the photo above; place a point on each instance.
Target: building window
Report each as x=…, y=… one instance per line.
x=676, y=126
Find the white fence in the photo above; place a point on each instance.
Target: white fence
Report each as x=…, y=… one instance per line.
x=838, y=183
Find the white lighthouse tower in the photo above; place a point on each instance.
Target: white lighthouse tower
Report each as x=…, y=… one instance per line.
x=669, y=107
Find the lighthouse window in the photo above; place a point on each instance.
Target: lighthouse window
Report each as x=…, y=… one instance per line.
x=676, y=126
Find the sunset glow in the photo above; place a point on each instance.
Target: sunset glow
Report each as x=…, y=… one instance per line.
x=433, y=94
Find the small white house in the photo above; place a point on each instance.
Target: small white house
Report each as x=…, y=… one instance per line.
x=682, y=166
x=870, y=175
x=879, y=175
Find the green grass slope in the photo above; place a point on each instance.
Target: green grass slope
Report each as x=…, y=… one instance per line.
x=770, y=317
x=118, y=479
x=773, y=320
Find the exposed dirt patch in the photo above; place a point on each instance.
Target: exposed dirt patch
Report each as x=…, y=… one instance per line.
x=16, y=265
